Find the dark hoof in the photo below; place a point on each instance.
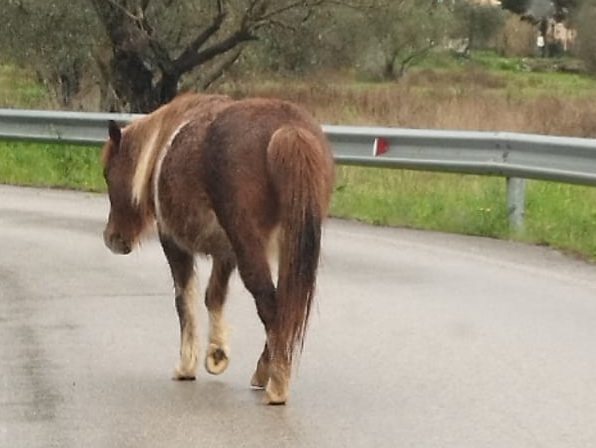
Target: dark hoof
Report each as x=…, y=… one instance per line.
x=185, y=378
x=217, y=360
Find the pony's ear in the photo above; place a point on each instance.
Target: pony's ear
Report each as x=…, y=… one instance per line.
x=114, y=132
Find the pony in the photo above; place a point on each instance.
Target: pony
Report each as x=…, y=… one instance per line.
x=236, y=180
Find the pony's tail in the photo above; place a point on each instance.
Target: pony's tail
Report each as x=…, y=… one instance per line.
x=300, y=165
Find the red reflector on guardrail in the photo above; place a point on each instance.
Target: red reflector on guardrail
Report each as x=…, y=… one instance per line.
x=380, y=147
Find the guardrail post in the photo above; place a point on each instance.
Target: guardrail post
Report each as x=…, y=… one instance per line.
x=516, y=200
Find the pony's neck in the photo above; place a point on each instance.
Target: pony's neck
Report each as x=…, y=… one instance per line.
x=153, y=149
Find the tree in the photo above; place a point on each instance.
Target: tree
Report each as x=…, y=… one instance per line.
x=154, y=44
x=326, y=39
x=559, y=10
x=518, y=7
x=53, y=38
x=564, y=9
x=141, y=51
x=586, y=39
x=404, y=31
x=477, y=23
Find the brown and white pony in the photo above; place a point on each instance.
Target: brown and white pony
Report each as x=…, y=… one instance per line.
x=227, y=179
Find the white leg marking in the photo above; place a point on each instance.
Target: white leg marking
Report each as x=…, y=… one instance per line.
x=277, y=389
x=261, y=375
x=189, y=346
x=218, y=352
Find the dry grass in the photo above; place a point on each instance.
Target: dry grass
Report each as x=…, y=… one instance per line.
x=552, y=104
x=468, y=100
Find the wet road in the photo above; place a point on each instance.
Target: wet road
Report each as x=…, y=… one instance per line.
x=418, y=340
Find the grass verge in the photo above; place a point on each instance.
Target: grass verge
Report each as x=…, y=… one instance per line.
x=49, y=165
x=558, y=215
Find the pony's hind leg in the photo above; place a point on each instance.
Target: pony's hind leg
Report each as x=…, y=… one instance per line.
x=218, y=352
x=261, y=375
x=182, y=267
x=273, y=370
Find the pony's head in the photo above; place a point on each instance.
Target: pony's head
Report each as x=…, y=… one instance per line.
x=128, y=218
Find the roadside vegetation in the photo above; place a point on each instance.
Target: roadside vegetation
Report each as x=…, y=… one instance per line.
x=502, y=88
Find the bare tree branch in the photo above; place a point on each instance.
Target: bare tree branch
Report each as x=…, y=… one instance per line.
x=146, y=71
x=191, y=60
x=220, y=70
x=123, y=9
x=274, y=22
x=190, y=52
x=290, y=6
x=271, y=17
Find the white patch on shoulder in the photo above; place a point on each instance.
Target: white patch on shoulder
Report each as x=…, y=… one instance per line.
x=157, y=170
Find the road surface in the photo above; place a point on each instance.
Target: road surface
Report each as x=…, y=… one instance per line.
x=418, y=339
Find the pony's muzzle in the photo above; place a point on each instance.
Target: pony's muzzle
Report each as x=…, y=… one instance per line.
x=116, y=243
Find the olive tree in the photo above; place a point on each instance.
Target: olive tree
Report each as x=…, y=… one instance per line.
x=586, y=39
x=477, y=24
x=155, y=43
x=54, y=38
x=403, y=32
x=142, y=50
x=325, y=39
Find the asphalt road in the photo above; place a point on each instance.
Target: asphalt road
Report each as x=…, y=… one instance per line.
x=419, y=339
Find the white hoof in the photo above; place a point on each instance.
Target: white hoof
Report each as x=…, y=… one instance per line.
x=261, y=376
x=186, y=369
x=259, y=380
x=275, y=394
x=184, y=374
x=217, y=359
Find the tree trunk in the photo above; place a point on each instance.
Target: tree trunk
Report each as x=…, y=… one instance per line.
x=69, y=82
x=136, y=95
x=135, y=83
x=144, y=73
x=389, y=69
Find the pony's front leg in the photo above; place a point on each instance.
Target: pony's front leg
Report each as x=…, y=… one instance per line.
x=182, y=266
x=218, y=352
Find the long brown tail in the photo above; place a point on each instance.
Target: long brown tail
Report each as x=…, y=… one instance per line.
x=301, y=167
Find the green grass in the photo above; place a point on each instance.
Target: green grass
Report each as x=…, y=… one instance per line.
x=18, y=88
x=494, y=62
x=558, y=215
x=438, y=201
x=562, y=216
x=520, y=77
x=50, y=165
x=531, y=77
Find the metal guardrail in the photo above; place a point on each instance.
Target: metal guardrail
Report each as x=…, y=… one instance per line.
x=512, y=155
x=85, y=128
